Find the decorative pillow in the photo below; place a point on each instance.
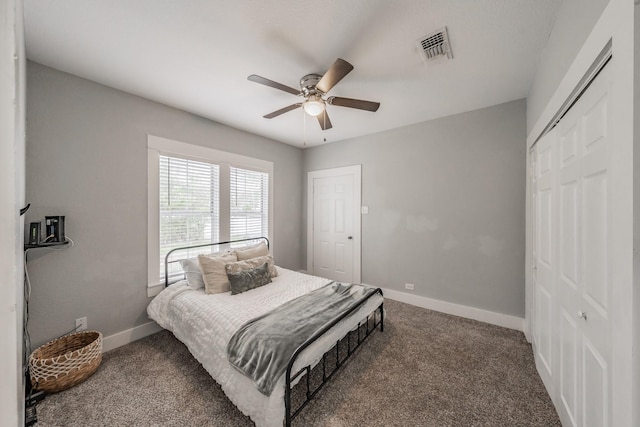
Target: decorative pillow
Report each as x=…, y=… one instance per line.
x=213, y=272
x=253, y=263
x=192, y=272
x=252, y=252
x=245, y=280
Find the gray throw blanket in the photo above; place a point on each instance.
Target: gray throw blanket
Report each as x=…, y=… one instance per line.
x=262, y=348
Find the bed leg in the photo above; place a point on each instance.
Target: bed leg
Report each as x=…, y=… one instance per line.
x=287, y=401
x=382, y=317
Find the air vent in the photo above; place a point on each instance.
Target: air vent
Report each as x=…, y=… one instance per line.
x=435, y=46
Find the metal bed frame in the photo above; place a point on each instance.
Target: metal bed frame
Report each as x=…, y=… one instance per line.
x=369, y=324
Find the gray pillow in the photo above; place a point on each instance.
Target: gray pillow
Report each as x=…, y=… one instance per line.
x=246, y=280
x=252, y=263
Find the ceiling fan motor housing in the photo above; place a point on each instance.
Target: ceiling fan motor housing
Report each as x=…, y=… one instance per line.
x=308, y=85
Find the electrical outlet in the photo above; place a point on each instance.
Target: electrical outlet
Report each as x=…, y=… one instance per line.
x=81, y=324
x=409, y=286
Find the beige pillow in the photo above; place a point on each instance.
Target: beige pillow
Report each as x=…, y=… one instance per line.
x=252, y=252
x=214, y=274
x=236, y=267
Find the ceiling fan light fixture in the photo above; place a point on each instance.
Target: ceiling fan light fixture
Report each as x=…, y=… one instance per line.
x=314, y=105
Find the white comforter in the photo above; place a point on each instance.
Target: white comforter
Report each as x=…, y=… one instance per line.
x=206, y=323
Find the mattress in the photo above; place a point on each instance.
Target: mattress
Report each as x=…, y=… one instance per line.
x=206, y=323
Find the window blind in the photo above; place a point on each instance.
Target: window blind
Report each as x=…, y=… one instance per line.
x=249, y=194
x=189, y=205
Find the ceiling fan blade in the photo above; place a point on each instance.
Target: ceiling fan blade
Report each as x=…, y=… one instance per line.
x=334, y=74
x=271, y=83
x=353, y=103
x=283, y=110
x=324, y=121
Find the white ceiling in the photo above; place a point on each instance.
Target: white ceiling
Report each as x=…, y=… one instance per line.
x=196, y=55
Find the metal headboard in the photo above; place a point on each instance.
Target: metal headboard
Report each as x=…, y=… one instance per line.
x=167, y=262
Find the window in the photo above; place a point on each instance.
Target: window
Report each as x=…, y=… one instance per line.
x=198, y=195
x=249, y=203
x=189, y=205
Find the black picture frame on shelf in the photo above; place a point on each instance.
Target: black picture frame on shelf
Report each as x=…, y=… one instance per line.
x=34, y=233
x=54, y=228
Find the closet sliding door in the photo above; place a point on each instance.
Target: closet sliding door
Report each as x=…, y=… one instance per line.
x=572, y=258
x=544, y=252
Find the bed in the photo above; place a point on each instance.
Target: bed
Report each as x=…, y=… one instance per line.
x=208, y=324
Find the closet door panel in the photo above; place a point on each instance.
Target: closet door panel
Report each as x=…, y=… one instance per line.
x=569, y=233
x=595, y=252
x=544, y=313
x=568, y=294
x=595, y=249
x=569, y=369
x=545, y=254
x=568, y=278
x=595, y=394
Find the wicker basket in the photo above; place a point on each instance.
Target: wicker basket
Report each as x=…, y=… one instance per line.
x=65, y=361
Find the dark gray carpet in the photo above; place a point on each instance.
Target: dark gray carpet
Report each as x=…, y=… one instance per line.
x=425, y=369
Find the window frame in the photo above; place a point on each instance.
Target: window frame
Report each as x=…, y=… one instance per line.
x=157, y=146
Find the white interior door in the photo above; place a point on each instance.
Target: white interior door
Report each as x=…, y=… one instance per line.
x=569, y=327
x=334, y=222
x=584, y=265
x=544, y=252
x=572, y=255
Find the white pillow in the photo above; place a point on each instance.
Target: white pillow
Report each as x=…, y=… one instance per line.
x=192, y=272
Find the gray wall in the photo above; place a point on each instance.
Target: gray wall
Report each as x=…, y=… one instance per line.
x=446, y=206
x=446, y=201
x=575, y=20
x=86, y=159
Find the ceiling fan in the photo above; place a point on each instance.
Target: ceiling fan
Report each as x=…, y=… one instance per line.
x=313, y=87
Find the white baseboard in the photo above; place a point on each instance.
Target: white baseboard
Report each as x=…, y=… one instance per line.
x=504, y=320
x=128, y=336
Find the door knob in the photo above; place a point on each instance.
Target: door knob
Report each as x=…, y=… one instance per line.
x=582, y=314
x=350, y=237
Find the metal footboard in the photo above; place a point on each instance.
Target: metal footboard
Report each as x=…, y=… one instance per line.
x=329, y=371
